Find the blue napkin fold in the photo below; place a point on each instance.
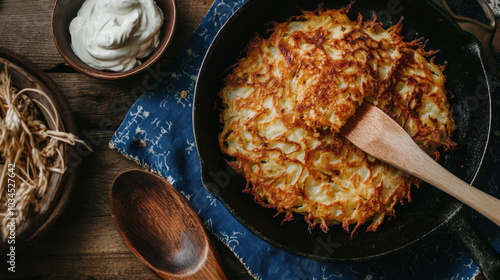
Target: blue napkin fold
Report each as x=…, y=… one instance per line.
x=157, y=133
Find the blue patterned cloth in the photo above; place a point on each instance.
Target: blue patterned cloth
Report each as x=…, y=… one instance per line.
x=157, y=133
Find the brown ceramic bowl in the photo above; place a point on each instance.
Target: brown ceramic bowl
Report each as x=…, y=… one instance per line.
x=65, y=10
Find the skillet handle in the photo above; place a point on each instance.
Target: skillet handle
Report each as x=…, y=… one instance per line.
x=461, y=225
x=483, y=32
x=478, y=248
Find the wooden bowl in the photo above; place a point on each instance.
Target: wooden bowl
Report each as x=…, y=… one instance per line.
x=24, y=74
x=65, y=10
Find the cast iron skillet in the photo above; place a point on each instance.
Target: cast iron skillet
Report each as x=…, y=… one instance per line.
x=430, y=209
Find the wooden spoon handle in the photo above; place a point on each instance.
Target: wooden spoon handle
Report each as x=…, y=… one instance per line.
x=377, y=134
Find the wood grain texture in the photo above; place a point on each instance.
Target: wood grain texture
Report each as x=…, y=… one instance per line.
x=84, y=243
x=377, y=134
x=161, y=228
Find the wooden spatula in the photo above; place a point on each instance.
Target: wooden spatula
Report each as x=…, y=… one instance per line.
x=377, y=134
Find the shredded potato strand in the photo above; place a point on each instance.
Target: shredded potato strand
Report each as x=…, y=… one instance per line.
x=285, y=101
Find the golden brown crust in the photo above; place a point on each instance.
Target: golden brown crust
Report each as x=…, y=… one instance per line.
x=286, y=100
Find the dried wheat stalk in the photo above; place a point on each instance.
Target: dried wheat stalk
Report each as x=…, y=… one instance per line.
x=36, y=151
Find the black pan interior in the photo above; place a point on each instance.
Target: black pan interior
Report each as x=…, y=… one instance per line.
x=429, y=209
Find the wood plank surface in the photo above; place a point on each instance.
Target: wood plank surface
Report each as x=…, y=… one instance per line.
x=84, y=243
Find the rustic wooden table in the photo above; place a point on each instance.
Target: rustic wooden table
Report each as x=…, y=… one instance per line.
x=84, y=243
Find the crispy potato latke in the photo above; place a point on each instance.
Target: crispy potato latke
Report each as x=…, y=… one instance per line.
x=286, y=100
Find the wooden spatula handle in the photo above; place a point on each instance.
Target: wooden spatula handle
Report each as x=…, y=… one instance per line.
x=377, y=134
x=430, y=171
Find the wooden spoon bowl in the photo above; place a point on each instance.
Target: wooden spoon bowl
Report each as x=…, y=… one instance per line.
x=162, y=230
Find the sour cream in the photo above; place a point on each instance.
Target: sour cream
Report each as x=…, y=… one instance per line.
x=115, y=34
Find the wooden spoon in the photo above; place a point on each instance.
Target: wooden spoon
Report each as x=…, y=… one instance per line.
x=162, y=230
x=380, y=136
